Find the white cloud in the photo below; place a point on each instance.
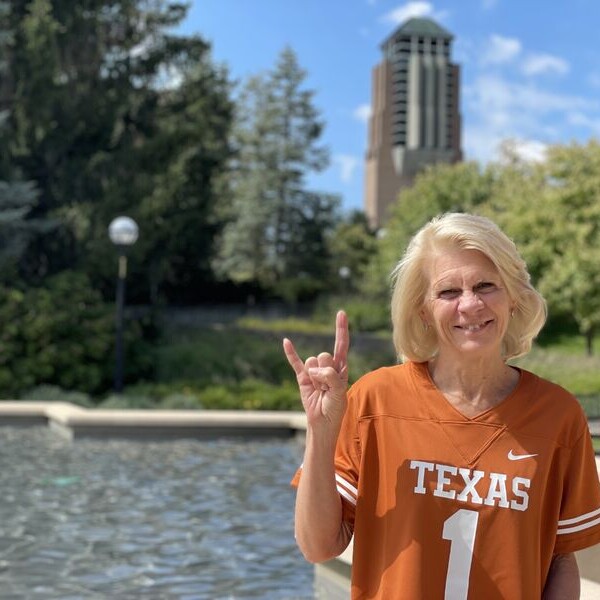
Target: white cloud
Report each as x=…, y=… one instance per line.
x=348, y=165
x=501, y=109
x=529, y=150
x=538, y=64
x=362, y=113
x=492, y=93
x=410, y=10
x=501, y=50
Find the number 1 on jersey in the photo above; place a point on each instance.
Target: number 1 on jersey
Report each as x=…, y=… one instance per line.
x=460, y=530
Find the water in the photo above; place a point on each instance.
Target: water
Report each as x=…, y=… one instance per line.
x=157, y=520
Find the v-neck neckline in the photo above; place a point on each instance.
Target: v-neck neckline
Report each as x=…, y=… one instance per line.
x=443, y=409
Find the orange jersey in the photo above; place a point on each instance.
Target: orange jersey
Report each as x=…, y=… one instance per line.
x=449, y=507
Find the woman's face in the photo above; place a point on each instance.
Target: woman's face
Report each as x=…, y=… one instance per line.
x=466, y=304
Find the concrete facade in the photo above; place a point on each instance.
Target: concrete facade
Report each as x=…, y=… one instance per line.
x=415, y=119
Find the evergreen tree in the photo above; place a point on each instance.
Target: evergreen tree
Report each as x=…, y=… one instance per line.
x=278, y=229
x=18, y=199
x=97, y=97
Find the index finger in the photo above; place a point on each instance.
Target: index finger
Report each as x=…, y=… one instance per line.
x=342, y=341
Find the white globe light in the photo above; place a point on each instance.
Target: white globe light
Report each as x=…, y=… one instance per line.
x=344, y=272
x=123, y=231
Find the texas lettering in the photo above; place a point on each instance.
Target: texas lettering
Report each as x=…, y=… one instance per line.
x=471, y=486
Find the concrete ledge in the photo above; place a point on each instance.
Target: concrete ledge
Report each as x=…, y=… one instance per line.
x=75, y=422
x=332, y=578
x=589, y=564
x=18, y=413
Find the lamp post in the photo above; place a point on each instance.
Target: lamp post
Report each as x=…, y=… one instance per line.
x=123, y=232
x=345, y=273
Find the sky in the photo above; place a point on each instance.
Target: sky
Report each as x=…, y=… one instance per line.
x=530, y=69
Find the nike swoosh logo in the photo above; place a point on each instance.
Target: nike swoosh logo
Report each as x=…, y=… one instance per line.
x=512, y=456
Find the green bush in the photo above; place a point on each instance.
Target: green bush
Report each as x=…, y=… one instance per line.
x=115, y=401
x=181, y=401
x=212, y=356
x=61, y=334
x=250, y=394
x=54, y=393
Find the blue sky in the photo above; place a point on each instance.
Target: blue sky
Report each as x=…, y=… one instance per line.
x=530, y=69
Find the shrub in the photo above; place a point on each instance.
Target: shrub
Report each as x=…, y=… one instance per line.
x=115, y=401
x=210, y=356
x=54, y=393
x=181, y=401
x=250, y=394
x=60, y=334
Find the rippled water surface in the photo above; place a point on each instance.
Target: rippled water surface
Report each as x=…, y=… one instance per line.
x=114, y=519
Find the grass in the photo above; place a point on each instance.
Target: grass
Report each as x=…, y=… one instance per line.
x=578, y=373
x=596, y=442
x=565, y=362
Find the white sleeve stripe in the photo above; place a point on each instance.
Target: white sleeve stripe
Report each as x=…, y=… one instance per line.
x=579, y=527
x=344, y=494
x=580, y=518
x=347, y=485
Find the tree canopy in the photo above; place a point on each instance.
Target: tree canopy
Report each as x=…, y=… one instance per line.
x=109, y=111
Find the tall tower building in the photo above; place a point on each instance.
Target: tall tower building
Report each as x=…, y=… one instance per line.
x=415, y=118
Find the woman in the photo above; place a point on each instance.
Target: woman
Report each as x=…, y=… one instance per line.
x=458, y=475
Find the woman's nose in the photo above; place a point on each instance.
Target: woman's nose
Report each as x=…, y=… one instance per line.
x=469, y=300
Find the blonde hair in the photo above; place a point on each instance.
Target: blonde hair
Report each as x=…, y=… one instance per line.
x=412, y=340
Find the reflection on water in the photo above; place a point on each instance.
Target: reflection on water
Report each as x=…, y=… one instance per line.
x=114, y=519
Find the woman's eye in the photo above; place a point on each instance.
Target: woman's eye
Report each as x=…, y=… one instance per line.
x=449, y=294
x=485, y=286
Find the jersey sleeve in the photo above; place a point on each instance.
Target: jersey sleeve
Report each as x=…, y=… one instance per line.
x=579, y=522
x=347, y=462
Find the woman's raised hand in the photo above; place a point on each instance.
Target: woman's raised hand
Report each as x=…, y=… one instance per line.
x=323, y=379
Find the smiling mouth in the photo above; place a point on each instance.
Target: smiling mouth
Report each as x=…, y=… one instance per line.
x=474, y=327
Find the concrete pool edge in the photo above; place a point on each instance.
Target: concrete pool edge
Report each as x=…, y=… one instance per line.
x=75, y=422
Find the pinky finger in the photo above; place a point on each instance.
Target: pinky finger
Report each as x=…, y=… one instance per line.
x=292, y=356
